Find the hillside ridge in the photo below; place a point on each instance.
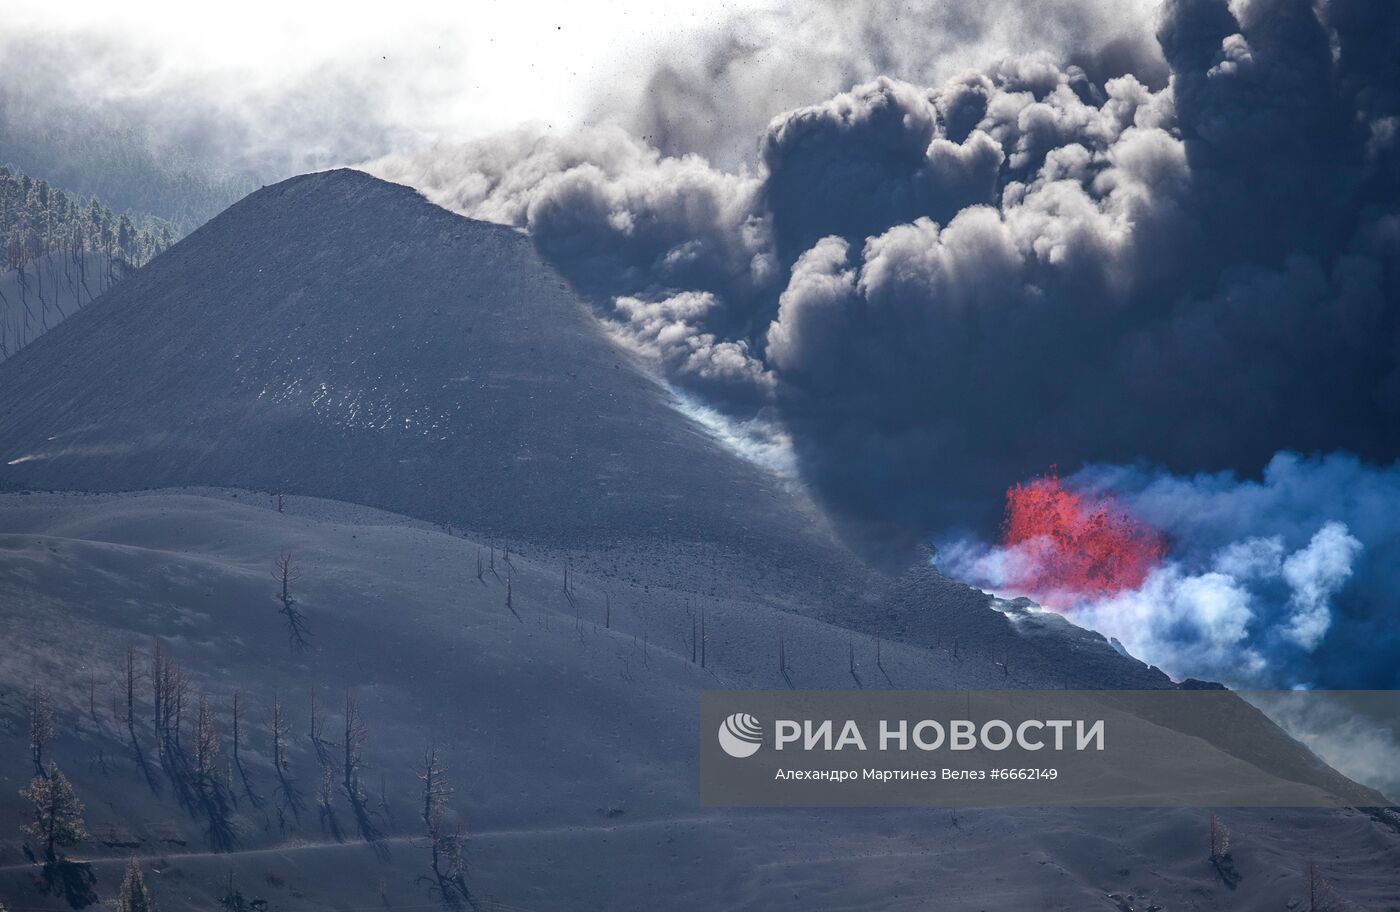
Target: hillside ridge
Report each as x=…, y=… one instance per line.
x=340, y=336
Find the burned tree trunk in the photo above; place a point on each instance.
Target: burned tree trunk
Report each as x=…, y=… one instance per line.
x=352, y=746
x=41, y=727
x=446, y=843
x=285, y=572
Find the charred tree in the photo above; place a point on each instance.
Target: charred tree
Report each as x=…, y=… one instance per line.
x=134, y=895
x=285, y=572
x=446, y=841
x=704, y=636
x=279, y=735
x=169, y=695
x=41, y=726
x=352, y=749
x=316, y=729
x=288, y=797
x=236, y=717
x=208, y=744
x=129, y=677
x=353, y=740
x=1220, y=857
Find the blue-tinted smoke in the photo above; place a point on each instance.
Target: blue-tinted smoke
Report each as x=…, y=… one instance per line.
x=1284, y=581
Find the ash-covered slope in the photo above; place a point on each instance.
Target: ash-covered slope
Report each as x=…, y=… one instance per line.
x=569, y=733
x=338, y=335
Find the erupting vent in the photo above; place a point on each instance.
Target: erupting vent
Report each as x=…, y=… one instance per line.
x=1073, y=544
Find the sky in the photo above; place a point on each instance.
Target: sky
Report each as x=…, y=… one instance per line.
x=475, y=67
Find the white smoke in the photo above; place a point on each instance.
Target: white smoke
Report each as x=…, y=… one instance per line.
x=1259, y=574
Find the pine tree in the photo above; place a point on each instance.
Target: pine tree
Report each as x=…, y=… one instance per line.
x=135, y=896
x=57, y=813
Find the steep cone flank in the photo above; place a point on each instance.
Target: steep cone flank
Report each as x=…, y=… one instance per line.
x=339, y=336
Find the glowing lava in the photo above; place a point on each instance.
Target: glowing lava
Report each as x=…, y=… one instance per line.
x=1076, y=546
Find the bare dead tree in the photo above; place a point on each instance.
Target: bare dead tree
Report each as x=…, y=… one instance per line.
x=782, y=657
x=286, y=793
x=236, y=717
x=436, y=790
x=41, y=726
x=352, y=746
x=130, y=680
x=207, y=744
x=176, y=687
x=279, y=735
x=325, y=800
x=169, y=695
x=694, y=632
x=607, y=611
x=325, y=797
x=354, y=738
x=1220, y=857
x=1219, y=838
x=704, y=636
x=285, y=572
x=510, y=590
x=316, y=728
x=478, y=566
x=446, y=842
x=180, y=698
x=157, y=675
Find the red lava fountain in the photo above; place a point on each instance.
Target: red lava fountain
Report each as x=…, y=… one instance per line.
x=1076, y=545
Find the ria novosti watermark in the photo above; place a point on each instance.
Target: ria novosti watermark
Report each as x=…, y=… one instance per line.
x=1007, y=748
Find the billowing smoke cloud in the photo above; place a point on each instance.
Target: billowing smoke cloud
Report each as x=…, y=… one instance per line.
x=1186, y=277
x=716, y=91
x=1178, y=253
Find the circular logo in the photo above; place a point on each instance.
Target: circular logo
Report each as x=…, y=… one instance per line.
x=741, y=735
